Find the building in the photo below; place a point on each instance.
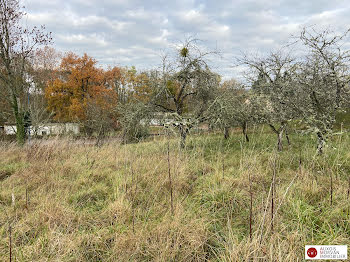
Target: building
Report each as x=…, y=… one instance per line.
x=10, y=129
x=46, y=129
x=161, y=119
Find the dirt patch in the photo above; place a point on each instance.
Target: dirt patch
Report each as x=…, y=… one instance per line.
x=4, y=175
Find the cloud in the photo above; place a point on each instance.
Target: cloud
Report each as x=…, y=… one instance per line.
x=135, y=32
x=83, y=40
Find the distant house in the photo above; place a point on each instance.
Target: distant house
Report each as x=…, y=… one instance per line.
x=155, y=121
x=161, y=119
x=10, y=129
x=46, y=129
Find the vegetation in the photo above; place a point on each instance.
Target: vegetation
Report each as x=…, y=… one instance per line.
x=209, y=197
x=37, y=85
x=69, y=201
x=17, y=47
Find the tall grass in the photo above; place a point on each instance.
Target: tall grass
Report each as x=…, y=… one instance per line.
x=154, y=202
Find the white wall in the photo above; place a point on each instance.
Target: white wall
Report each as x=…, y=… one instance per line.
x=48, y=129
x=10, y=130
x=72, y=128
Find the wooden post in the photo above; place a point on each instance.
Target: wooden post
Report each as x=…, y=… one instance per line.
x=331, y=188
x=27, y=199
x=251, y=207
x=10, y=241
x=273, y=193
x=170, y=180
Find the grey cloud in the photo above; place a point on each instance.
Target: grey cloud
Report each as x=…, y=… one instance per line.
x=118, y=32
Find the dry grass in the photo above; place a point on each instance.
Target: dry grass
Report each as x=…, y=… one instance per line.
x=112, y=203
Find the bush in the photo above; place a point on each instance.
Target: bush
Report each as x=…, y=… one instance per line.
x=134, y=121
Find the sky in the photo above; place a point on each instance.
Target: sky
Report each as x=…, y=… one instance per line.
x=136, y=33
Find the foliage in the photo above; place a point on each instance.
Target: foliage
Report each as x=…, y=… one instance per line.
x=82, y=92
x=82, y=199
x=134, y=119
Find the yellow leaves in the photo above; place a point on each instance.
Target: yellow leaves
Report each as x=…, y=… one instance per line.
x=76, y=109
x=172, y=86
x=58, y=94
x=136, y=85
x=142, y=87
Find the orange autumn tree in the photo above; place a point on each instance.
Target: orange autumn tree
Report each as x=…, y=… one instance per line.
x=129, y=84
x=116, y=79
x=142, y=87
x=136, y=86
x=80, y=84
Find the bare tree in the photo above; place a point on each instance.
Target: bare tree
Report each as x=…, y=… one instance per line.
x=185, y=87
x=323, y=81
x=44, y=68
x=272, y=85
x=17, y=46
x=232, y=107
x=100, y=119
x=314, y=88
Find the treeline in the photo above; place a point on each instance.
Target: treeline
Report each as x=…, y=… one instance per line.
x=306, y=81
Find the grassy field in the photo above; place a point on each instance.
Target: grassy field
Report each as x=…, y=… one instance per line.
x=66, y=201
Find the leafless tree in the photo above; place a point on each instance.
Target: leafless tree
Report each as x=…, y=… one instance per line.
x=186, y=86
x=323, y=81
x=272, y=86
x=17, y=46
x=232, y=107
x=43, y=69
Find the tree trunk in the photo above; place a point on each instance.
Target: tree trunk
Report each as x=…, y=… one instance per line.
x=287, y=137
x=226, y=132
x=21, y=131
x=100, y=136
x=279, y=138
x=183, y=139
x=321, y=143
x=279, y=133
x=244, y=128
x=183, y=133
x=19, y=117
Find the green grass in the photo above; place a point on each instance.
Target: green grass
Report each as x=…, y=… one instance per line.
x=112, y=203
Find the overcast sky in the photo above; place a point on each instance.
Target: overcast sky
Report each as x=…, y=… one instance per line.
x=117, y=32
